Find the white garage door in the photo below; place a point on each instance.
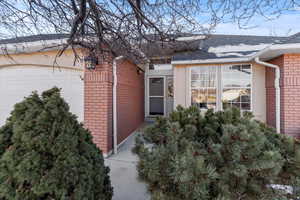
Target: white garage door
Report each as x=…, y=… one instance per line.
x=19, y=81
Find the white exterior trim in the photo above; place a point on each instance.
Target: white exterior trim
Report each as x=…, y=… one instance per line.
x=273, y=47
x=284, y=46
x=30, y=47
x=148, y=94
x=152, y=74
x=277, y=89
x=251, y=88
x=115, y=122
x=212, y=61
x=219, y=86
x=188, y=86
x=40, y=65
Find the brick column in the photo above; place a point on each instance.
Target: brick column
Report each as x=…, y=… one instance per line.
x=290, y=84
x=98, y=104
x=290, y=94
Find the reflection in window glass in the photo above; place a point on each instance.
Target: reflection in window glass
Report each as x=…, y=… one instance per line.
x=234, y=89
x=156, y=105
x=236, y=81
x=236, y=76
x=203, y=85
x=156, y=87
x=236, y=97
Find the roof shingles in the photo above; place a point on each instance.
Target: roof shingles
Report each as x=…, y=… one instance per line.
x=192, y=50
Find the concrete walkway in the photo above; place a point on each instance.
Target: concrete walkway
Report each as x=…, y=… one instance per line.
x=123, y=173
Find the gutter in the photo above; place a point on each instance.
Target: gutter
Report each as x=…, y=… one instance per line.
x=211, y=61
x=277, y=89
x=115, y=83
x=30, y=47
x=280, y=48
x=273, y=47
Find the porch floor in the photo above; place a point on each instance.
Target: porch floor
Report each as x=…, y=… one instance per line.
x=123, y=173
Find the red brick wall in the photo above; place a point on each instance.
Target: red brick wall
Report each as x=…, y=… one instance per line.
x=130, y=99
x=98, y=105
x=290, y=94
x=98, y=115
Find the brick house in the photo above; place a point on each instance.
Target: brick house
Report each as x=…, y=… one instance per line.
x=260, y=74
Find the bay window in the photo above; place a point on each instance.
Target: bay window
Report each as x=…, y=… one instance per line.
x=220, y=87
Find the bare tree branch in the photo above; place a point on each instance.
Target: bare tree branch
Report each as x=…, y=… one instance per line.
x=125, y=26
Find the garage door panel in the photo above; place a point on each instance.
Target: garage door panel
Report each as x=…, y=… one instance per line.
x=18, y=82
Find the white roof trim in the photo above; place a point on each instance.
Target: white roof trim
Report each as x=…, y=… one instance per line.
x=284, y=46
x=273, y=47
x=211, y=61
x=29, y=47
x=277, y=47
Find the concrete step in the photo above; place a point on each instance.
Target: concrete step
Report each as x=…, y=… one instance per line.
x=150, y=119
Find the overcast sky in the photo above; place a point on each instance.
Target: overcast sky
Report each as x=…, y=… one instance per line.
x=286, y=24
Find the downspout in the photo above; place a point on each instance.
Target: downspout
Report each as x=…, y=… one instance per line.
x=277, y=89
x=115, y=83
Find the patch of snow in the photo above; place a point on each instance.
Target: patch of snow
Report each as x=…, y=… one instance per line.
x=149, y=147
x=223, y=54
x=190, y=38
x=162, y=67
x=237, y=48
x=288, y=189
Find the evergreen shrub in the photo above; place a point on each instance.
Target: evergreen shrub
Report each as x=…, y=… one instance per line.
x=217, y=156
x=45, y=154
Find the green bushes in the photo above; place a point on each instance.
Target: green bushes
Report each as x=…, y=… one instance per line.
x=46, y=154
x=220, y=155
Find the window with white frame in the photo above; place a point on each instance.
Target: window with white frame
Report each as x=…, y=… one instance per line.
x=236, y=82
x=220, y=87
x=204, y=87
